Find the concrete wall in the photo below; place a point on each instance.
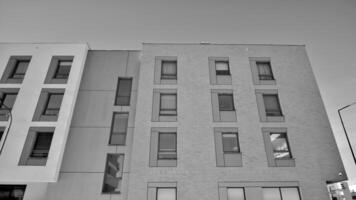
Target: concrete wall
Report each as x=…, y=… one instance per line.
x=316, y=155
x=25, y=105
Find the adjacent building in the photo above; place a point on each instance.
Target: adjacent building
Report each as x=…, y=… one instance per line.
x=168, y=122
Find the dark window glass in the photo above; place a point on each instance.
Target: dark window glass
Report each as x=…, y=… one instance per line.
x=230, y=143
x=42, y=144
x=113, y=173
x=12, y=192
x=222, y=68
x=226, y=102
x=123, y=92
x=167, y=146
x=264, y=71
x=53, y=104
x=19, y=69
x=280, y=145
x=272, y=105
x=1, y=133
x=63, y=69
x=168, y=104
x=119, y=129
x=169, y=70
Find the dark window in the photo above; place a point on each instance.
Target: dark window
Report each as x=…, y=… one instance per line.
x=222, y=68
x=230, y=143
x=113, y=173
x=226, y=102
x=272, y=105
x=7, y=101
x=264, y=71
x=119, y=129
x=167, y=146
x=280, y=145
x=123, y=92
x=12, y=192
x=53, y=104
x=42, y=144
x=19, y=69
x=168, y=104
x=169, y=70
x=166, y=193
x=63, y=69
x=1, y=133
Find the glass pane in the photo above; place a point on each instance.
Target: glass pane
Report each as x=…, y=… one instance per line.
x=290, y=194
x=63, y=70
x=54, y=101
x=1, y=133
x=42, y=144
x=272, y=105
x=167, y=142
x=22, y=66
x=280, y=145
x=169, y=67
x=230, y=143
x=113, y=173
x=124, y=87
x=235, y=194
x=120, y=123
x=222, y=65
x=9, y=100
x=166, y=194
x=168, y=101
x=64, y=63
x=271, y=194
x=226, y=102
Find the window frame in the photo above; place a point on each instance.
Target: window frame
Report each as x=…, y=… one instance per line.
x=54, y=67
x=16, y=66
x=119, y=133
x=279, y=110
x=11, y=68
x=223, y=72
x=175, y=189
x=243, y=191
x=62, y=76
x=32, y=153
x=169, y=76
x=230, y=95
x=261, y=105
x=120, y=178
x=42, y=104
x=117, y=96
x=268, y=63
x=172, y=152
x=4, y=111
x=237, y=142
x=280, y=191
x=45, y=108
x=158, y=70
x=288, y=145
x=255, y=71
x=174, y=111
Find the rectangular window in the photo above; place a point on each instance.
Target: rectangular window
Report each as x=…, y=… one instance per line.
x=167, y=146
x=7, y=101
x=222, y=67
x=113, y=173
x=230, y=142
x=264, y=70
x=169, y=70
x=42, y=145
x=63, y=69
x=53, y=104
x=272, y=106
x=168, y=104
x=119, y=128
x=226, y=102
x=166, y=194
x=281, y=193
x=20, y=69
x=235, y=194
x=123, y=92
x=12, y=192
x=280, y=146
x=15, y=69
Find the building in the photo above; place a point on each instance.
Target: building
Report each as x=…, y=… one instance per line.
x=169, y=122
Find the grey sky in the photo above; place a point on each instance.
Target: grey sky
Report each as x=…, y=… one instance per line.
x=327, y=27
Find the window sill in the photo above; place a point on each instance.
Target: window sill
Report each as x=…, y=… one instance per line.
x=285, y=162
x=275, y=118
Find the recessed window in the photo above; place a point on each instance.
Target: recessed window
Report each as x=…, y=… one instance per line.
x=230, y=143
x=1, y=133
x=168, y=105
x=222, y=67
x=7, y=101
x=119, y=129
x=166, y=194
x=42, y=144
x=281, y=193
x=59, y=69
x=272, y=106
x=226, y=102
x=49, y=105
x=169, y=70
x=167, y=146
x=19, y=70
x=227, y=147
x=12, y=192
x=235, y=194
x=123, y=92
x=16, y=69
x=264, y=70
x=63, y=69
x=113, y=173
x=53, y=104
x=280, y=146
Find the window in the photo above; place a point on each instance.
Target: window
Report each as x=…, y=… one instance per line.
x=59, y=69
x=123, y=92
x=16, y=69
x=42, y=144
x=7, y=101
x=1, y=133
x=272, y=106
x=166, y=194
x=113, y=173
x=168, y=104
x=53, y=104
x=230, y=143
x=281, y=193
x=169, y=70
x=49, y=105
x=235, y=194
x=226, y=102
x=167, y=146
x=12, y=192
x=119, y=129
x=280, y=146
x=264, y=70
x=63, y=69
x=222, y=67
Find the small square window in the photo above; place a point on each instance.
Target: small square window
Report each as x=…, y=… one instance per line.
x=280, y=146
x=166, y=194
x=123, y=92
x=222, y=67
x=119, y=129
x=230, y=143
x=167, y=146
x=113, y=173
x=53, y=104
x=42, y=145
x=168, y=104
x=272, y=106
x=226, y=102
x=264, y=70
x=19, y=70
x=59, y=70
x=169, y=70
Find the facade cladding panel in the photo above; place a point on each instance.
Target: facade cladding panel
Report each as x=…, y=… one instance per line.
x=196, y=173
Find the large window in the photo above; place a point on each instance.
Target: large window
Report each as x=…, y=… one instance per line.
x=226, y=102
x=113, y=173
x=166, y=194
x=235, y=194
x=168, y=104
x=123, y=92
x=264, y=70
x=167, y=146
x=222, y=67
x=12, y=192
x=280, y=146
x=272, y=106
x=119, y=129
x=169, y=70
x=281, y=193
x=230, y=143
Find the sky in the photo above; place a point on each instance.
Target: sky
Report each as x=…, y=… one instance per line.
x=326, y=27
